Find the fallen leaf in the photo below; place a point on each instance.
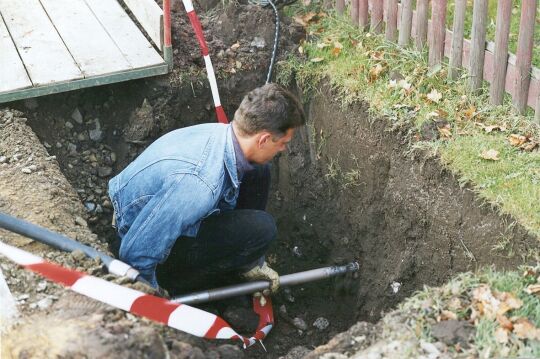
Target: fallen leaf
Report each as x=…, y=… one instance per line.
x=317, y=59
x=492, y=155
x=533, y=289
x=354, y=42
x=322, y=45
x=432, y=114
x=301, y=49
x=504, y=322
x=470, y=112
x=524, y=329
x=445, y=131
x=305, y=19
x=509, y=300
x=434, y=96
x=448, y=315
x=405, y=86
x=235, y=46
x=338, y=45
x=492, y=128
x=517, y=140
x=336, y=51
x=501, y=335
x=238, y=64
x=530, y=272
x=377, y=55
x=529, y=146
x=375, y=72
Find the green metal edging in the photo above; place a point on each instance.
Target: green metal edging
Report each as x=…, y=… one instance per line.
x=83, y=83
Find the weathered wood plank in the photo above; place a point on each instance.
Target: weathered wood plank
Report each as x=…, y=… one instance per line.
x=125, y=34
x=478, y=43
x=537, y=111
x=376, y=16
x=500, y=61
x=405, y=22
x=354, y=12
x=391, y=20
x=363, y=18
x=340, y=7
x=91, y=47
x=84, y=83
x=13, y=75
x=421, y=23
x=524, y=53
x=457, y=39
x=45, y=56
x=437, y=33
x=150, y=16
x=534, y=87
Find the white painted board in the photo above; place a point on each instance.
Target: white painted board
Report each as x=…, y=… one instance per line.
x=13, y=75
x=44, y=54
x=87, y=41
x=138, y=51
x=150, y=16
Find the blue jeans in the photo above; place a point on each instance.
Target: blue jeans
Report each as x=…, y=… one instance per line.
x=227, y=243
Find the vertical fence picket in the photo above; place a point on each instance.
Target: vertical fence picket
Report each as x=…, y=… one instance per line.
x=524, y=53
x=500, y=63
x=406, y=22
x=391, y=20
x=376, y=16
x=422, y=7
x=537, y=111
x=340, y=7
x=478, y=43
x=363, y=8
x=354, y=12
x=458, y=29
x=438, y=31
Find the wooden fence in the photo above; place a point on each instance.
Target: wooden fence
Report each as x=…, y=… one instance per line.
x=489, y=61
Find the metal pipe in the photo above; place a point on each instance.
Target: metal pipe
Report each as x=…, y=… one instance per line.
x=252, y=287
x=66, y=244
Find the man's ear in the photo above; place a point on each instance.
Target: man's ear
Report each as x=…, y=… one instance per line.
x=263, y=139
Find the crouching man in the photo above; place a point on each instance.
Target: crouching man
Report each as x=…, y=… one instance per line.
x=194, y=201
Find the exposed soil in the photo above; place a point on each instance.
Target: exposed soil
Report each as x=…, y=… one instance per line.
x=345, y=190
x=349, y=190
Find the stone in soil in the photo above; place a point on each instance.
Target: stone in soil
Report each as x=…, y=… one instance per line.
x=453, y=332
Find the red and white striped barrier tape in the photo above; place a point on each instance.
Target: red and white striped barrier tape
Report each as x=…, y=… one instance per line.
x=179, y=316
x=196, y=24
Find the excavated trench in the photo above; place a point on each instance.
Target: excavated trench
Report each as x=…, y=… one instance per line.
x=346, y=189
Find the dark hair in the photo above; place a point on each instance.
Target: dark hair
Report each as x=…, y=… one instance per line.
x=271, y=108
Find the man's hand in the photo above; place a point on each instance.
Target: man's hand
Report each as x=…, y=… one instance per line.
x=263, y=272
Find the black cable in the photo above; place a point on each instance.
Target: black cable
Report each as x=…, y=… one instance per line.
x=276, y=41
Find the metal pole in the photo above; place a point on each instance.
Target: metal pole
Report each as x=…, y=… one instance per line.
x=252, y=287
x=167, y=43
x=66, y=244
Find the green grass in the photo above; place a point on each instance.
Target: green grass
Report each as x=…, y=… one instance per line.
x=492, y=17
x=511, y=182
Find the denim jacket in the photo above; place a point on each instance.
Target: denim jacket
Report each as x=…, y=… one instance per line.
x=181, y=178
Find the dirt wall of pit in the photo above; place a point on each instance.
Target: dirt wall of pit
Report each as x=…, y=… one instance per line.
x=348, y=189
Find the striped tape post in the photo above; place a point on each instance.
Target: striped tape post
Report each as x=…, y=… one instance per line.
x=175, y=315
x=196, y=24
